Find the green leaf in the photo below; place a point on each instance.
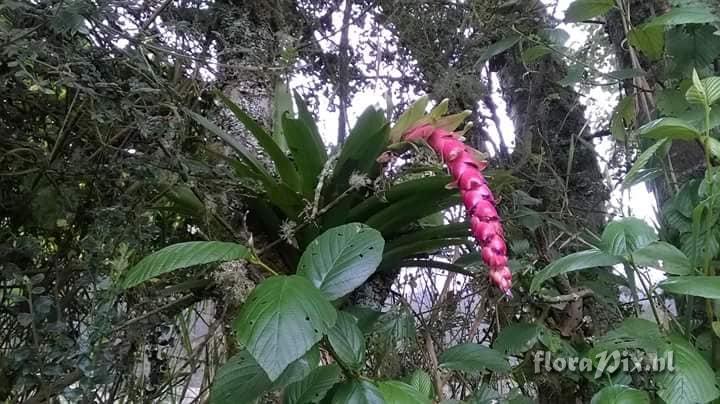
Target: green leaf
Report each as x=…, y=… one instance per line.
x=314, y=387
x=650, y=40
x=633, y=333
x=671, y=128
x=408, y=118
x=245, y=154
x=367, y=139
x=703, y=286
x=396, y=325
x=347, y=341
x=707, y=95
x=365, y=316
x=342, y=258
x=394, y=217
x=575, y=73
x=284, y=166
x=534, y=53
x=692, y=381
x=395, y=392
x=642, y=160
x=663, y=256
x=358, y=392
x=622, y=237
x=299, y=369
x=422, y=382
x=183, y=255
x=471, y=357
x=316, y=146
x=497, y=48
x=239, y=380
x=282, y=103
x=581, y=10
x=574, y=262
x=684, y=15
x=713, y=145
x=452, y=122
x=623, y=116
x=283, y=318
x=619, y=394
x=691, y=48
x=308, y=159
x=517, y=338
x=671, y=102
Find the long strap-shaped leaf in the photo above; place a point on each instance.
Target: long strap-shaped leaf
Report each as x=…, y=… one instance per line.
x=285, y=167
x=244, y=153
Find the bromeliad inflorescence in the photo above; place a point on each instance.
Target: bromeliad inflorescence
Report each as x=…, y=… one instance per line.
x=466, y=168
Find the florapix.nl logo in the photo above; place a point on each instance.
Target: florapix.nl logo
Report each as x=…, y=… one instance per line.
x=628, y=361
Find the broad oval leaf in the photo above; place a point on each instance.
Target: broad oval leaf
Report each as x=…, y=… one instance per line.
x=314, y=387
x=581, y=10
x=574, y=262
x=619, y=394
x=281, y=320
x=497, y=48
x=649, y=40
x=709, y=93
x=691, y=381
x=239, y=380
x=422, y=382
x=183, y=255
x=623, y=236
x=395, y=392
x=471, y=357
x=670, y=128
x=342, y=258
x=663, y=256
x=517, y=338
x=358, y=392
x=703, y=286
x=684, y=15
x=347, y=341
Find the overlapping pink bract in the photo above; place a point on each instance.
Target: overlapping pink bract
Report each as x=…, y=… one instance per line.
x=485, y=224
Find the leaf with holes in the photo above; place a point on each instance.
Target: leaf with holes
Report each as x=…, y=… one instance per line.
x=314, y=387
x=358, y=392
x=395, y=392
x=473, y=358
x=183, y=255
x=622, y=237
x=669, y=128
x=581, y=10
x=347, y=341
x=619, y=394
x=573, y=262
x=281, y=320
x=342, y=258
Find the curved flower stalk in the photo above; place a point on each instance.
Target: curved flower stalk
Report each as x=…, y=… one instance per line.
x=467, y=169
